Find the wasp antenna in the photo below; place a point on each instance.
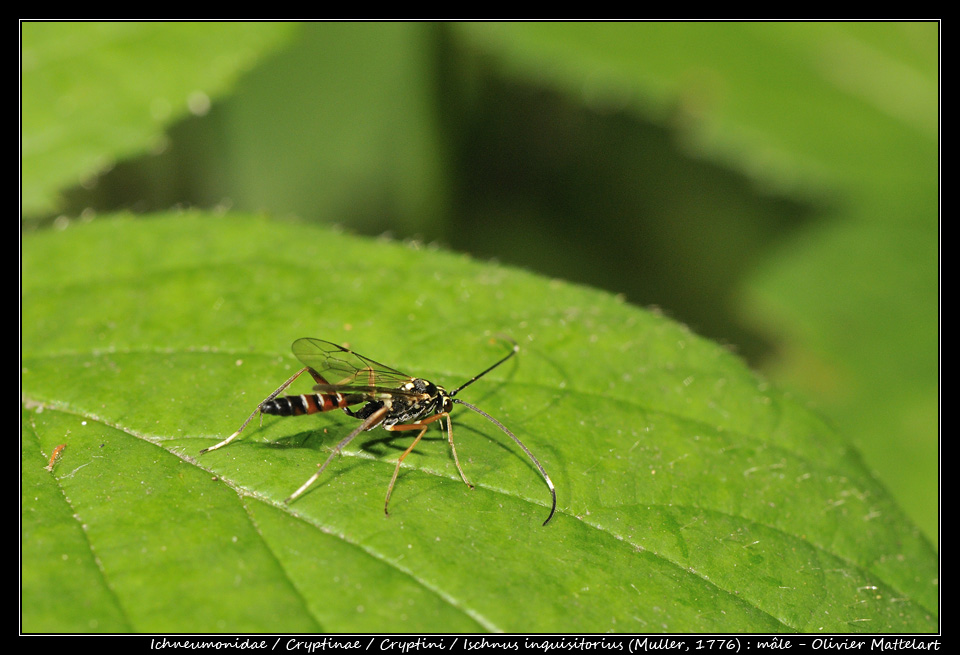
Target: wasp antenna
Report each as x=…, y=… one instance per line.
x=553, y=491
x=513, y=351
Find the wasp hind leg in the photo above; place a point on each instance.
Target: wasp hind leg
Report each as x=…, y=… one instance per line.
x=370, y=422
x=276, y=393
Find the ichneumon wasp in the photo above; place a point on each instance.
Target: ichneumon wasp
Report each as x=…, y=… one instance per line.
x=389, y=398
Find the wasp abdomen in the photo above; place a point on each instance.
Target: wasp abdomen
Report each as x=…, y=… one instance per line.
x=307, y=403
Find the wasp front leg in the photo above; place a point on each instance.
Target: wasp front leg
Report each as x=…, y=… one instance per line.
x=456, y=460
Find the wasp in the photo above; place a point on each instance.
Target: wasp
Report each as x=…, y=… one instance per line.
x=376, y=395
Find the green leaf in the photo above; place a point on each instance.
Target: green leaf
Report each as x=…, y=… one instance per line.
x=692, y=496
x=844, y=115
x=341, y=125
x=94, y=93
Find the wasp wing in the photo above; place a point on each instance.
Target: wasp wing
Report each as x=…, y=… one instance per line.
x=341, y=367
x=369, y=393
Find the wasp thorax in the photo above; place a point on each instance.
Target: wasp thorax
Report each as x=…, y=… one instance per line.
x=423, y=386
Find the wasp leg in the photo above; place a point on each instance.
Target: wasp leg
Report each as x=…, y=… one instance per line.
x=371, y=421
x=456, y=460
x=257, y=410
x=422, y=426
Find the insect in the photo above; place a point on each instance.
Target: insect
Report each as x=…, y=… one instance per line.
x=55, y=456
x=387, y=398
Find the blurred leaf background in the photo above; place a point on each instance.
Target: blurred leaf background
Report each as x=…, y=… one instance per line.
x=772, y=185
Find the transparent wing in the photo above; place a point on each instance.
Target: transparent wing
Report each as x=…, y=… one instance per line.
x=369, y=393
x=340, y=367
